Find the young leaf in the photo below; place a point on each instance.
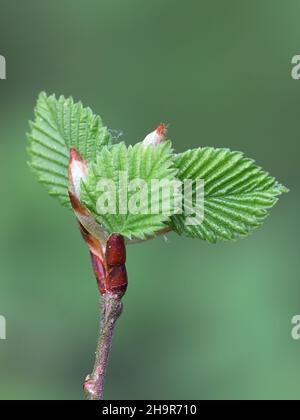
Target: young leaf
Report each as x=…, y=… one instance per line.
x=59, y=125
x=237, y=193
x=120, y=163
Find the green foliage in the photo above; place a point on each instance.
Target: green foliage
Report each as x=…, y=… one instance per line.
x=238, y=193
x=59, y=125
x=138, y=162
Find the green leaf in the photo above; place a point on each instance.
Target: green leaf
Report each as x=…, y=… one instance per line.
x=134, y=162
x=237, y=193
x=59, y=125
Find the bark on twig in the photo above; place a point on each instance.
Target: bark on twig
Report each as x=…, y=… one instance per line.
x=111, y=311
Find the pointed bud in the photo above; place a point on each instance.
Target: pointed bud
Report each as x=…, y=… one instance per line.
x=108, y=254
x=78, y=171
x=157, y=136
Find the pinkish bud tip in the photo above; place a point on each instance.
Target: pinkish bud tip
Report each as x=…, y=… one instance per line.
x=157, y=136
x=74, y=155
x=162, y=130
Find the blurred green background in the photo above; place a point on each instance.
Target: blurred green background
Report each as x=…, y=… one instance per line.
x=201, y=321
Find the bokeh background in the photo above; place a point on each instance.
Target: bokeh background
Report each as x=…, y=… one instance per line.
x=201, y=321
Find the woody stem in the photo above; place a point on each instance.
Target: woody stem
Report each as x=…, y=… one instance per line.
x=111, y=311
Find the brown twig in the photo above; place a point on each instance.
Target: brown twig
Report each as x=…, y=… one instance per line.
x=111, y=311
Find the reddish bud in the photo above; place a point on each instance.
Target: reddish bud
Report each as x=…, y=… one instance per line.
x=110, y=270
x=117, y=280
x=115, y=250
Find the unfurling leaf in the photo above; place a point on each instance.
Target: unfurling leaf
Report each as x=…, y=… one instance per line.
x=59, y=125
x=114, y=171
x=237, y=193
